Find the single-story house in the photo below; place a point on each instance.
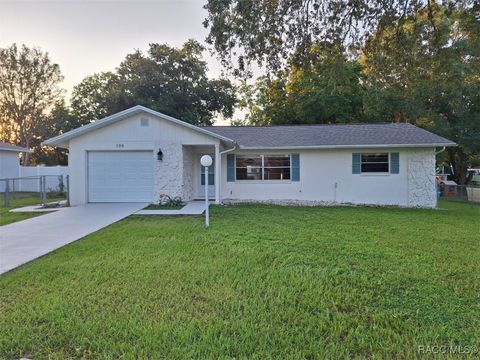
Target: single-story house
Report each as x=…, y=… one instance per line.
x=139, y=154
x=9, y=162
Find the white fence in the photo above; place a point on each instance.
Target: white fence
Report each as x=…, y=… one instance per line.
x=55, y=175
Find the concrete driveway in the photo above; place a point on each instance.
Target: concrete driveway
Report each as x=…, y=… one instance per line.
x=29, y=239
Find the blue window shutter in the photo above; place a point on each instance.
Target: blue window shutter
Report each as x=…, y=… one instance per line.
x=356, y=166
x=295, y=167
x=230, y=167
x=394, y=163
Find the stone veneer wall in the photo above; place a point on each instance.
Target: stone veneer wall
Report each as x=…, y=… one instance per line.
x=421, y=178
x=168, y=173
x=188, y=162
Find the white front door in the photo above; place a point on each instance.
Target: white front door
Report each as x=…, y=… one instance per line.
x=211, y=180
x=120, y=176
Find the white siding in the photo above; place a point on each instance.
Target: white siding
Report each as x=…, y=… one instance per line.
x=326, y=176
x=128, y=135
x=9, y=165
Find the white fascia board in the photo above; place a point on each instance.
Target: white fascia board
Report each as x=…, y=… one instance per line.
x=16, y=149
x=380, y=146
x=64, y=138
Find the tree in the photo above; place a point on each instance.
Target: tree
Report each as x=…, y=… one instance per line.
x=264, y=102
x=328, y=90
x=270, y=32
x=422, y=67
x=28, y=90
x=170, y=80
x=58, y=121
x=425, y=70
x=97, y=96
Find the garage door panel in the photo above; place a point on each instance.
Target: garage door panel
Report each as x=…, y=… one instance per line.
x=120, y=176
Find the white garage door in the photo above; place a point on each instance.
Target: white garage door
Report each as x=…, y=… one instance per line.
x=120, y=176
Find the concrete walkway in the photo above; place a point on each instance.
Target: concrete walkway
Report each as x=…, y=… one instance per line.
x=196, y=207
x=29, y=239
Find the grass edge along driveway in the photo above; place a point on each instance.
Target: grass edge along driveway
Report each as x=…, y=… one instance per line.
x=261, y=282
x=20, y=200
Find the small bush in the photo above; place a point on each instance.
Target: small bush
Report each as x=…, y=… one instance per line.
x=167, y=201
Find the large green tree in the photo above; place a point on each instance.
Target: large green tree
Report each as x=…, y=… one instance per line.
x=170, y=80
x=97, y=96
x=421, y=67
x=29, y=88
x=425, y=69
x=58, y=121
x=329, y=90
x=270, y=32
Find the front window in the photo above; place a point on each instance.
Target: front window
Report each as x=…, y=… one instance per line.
x=276, y=167
x=249, y=167
x=374, y=163
x=262, y=167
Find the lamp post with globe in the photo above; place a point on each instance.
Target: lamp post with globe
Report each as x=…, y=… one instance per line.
x=206, y=161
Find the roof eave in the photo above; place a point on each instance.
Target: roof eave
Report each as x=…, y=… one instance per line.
x=64, y=138
x=17, y=150
x=432, y=145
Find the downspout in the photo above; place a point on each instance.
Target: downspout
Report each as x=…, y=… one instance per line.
x=438, y=152
x=442, y=150
x=436, y=190
x=235, y=147
x=229, y=150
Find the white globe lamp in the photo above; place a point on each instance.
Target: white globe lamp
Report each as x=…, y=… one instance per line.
x=206, y=161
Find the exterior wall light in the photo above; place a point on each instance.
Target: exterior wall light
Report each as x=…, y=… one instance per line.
x=159, y=155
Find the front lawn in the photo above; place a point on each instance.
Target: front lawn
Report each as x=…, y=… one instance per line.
x=18, y=200
x=262, y=282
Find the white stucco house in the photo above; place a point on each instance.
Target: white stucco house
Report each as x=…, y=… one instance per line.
x=9, y=162
x=138, y=154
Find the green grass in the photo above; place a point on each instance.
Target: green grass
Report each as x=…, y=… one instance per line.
x=262, y=282
x=20, y=199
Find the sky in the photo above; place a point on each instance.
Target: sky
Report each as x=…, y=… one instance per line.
x=85, y=37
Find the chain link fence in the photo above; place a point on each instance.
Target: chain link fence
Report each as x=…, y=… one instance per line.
x=463, y=193
x=41, y=190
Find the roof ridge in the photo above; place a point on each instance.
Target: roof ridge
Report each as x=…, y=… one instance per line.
x=306, y=125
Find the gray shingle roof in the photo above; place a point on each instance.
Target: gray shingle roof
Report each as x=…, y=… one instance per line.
x=351, y=135
x=10, y=147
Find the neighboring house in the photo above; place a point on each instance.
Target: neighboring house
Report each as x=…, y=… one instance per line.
x=9, y=162
x=138, y=154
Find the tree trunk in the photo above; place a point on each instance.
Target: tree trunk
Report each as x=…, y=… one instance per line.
x=25, y=159
x=26, y=155
x=459, y=161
